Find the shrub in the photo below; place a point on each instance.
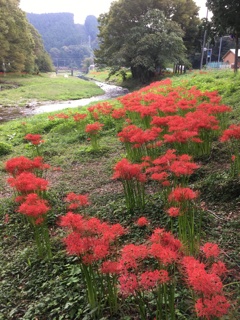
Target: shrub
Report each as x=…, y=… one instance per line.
x=5, y=148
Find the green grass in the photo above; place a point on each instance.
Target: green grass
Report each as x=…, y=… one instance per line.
x=34, y=289
x=44, y=87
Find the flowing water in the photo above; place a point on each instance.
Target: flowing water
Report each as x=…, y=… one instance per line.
x=11, y=113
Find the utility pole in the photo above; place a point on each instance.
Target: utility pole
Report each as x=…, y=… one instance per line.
x=220, y=49
x=204, y=42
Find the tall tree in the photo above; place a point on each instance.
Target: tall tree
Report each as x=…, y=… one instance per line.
x=91, y=26
x=18, y=48
x=43, y=61
x=143, y=34
x=226, y=15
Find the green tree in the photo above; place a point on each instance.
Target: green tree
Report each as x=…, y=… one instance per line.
x=20, y=44
x=43, y=61
x=226, y=15
x=137, y=34
x=17, y=49
x=91, y=26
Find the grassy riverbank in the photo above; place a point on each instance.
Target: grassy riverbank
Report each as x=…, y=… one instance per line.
x=20, y=90
x=35, y=288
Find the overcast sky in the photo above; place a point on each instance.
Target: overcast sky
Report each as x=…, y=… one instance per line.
x=80, y=8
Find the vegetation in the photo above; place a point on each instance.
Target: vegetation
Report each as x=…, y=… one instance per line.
x=225, y=20
x=92, y=174
x=146, y=35
x=67, y=43
x=21, y=47
x=46, y=87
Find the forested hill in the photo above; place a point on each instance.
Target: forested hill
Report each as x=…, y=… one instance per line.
x=66, y=41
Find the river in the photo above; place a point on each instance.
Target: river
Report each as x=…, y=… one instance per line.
x=11, y=113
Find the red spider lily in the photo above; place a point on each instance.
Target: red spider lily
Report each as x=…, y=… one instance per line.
x=219, y=268
x=62, y=115
x=134, y=251
x=142, y=222
x=118, y=113
x=94, y=128
x=17, y=165
x=232, y=133
x=76, y=200
x=199, y=279
x=89, y=248
x=151, y=279
x=211, y=108
x=112, y=267
x=216, y=306
x=173, y=212
x=104, y=108
x=166, y=239
x=180, y=194
x=27, y=182
x=72, y=221
x=126, y=170
x=181, y=137
x=128, y=284
x=159, y=121
x=34, y=206
x=170, y=163
x=183, y=167
x=137, y=136
x=128, y=132
x=131, y=256
x=79, y=116
x=165, y=255
x=201, y=120
x=210, y=250
x=35, y=139
x=90, y=238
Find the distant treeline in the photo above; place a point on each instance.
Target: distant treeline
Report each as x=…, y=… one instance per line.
x=69, y=44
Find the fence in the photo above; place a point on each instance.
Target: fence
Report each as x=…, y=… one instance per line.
x=218, y=65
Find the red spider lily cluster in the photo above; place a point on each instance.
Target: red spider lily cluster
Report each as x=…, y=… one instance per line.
x=232, y=133
x=76, y=201
x=35, y=139
x=89, y=238
x=103, y=109
x=133, y=179
x=163, y=129
x=232, y=136
x=93, y=128
x=142, y=222
x=94, y=242
x=170, y=167
x=18, y=165
x=59, y=116
x=29, y=187
x=205, y=280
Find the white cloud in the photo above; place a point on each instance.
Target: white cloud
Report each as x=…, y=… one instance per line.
x=80, y=8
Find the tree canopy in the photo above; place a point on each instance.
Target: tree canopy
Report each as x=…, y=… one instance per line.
x=146, y=34
x=226, y=15
x=20, y=47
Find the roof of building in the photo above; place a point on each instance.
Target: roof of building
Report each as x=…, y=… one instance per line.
x=233, y=51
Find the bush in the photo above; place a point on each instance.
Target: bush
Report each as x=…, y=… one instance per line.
x=5, y=148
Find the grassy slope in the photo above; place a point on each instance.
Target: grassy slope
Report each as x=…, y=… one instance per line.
x=44, y=87
x=27, y=290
